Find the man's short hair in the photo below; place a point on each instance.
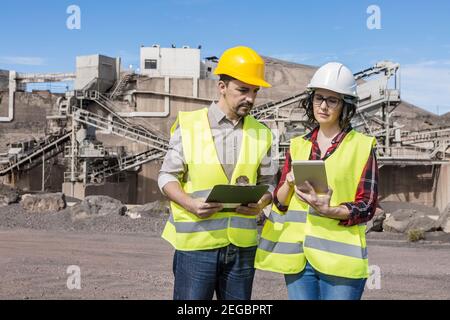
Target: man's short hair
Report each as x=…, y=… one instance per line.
x=225, y=78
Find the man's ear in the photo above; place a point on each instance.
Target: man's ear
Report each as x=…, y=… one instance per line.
x=222, y=86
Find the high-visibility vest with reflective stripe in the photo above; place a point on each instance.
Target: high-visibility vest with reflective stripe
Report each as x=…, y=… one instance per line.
x=329, y=247
x=186, y=231
x=280, y=247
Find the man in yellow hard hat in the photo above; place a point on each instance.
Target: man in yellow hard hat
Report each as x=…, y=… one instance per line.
x=222, y=144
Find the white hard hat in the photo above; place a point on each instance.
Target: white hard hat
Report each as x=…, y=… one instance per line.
x=336, y=77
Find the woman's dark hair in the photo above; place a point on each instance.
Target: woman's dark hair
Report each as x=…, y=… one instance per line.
x=348, y=111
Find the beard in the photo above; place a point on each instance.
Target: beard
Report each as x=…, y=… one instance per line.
x=243, y=109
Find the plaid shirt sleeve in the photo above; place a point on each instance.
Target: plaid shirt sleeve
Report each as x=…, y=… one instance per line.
x=363, y=208
x=284, y=172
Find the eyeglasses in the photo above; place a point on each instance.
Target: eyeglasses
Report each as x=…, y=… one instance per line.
x=332, y=102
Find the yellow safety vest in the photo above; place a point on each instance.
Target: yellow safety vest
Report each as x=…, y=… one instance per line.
x=184, y=230
x=290, y=239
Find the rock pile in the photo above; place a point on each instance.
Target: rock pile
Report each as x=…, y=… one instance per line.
x=47, y=202
x=8, y=195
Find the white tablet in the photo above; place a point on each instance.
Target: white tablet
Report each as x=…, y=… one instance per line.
x=312, y=171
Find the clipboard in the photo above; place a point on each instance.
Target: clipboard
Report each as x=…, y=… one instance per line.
x=232, y=196
x=312, y=171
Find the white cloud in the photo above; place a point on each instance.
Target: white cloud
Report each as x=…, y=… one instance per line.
x=26, y=61
x=427, y=85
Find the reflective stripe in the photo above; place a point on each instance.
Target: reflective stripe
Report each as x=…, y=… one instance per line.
x=275, y=217
x=243, y=223
x=295, y=216
x=280, y=247
x=336, y=247
x=199, y=226
x=290, y=216
x=213, y=224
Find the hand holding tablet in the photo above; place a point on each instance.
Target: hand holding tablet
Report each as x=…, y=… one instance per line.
x=312, y=171
x=232, y=196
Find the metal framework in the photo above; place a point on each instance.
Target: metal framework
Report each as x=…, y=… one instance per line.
x=90, y=162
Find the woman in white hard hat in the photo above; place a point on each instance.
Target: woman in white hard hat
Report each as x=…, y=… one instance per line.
x=318, y=241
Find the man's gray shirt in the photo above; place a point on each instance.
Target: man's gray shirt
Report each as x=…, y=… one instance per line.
x=227, y=138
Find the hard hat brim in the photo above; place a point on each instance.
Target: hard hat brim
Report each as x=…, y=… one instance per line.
x=246, y=79
x=333, y=89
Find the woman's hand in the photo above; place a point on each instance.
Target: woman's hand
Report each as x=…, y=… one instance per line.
x=320, y=202
x=290, y=180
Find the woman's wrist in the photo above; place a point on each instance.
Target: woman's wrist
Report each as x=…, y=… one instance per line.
x=290, y=185
x=339, y=212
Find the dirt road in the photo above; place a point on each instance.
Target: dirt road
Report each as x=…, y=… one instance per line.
x=34, y=263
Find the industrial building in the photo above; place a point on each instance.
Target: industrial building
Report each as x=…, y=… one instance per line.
x=109, y=135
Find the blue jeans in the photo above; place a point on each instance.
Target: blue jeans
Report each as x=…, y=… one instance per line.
x=313, y=285
x=228, y=271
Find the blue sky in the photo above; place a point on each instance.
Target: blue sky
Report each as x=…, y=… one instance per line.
x=414, y=33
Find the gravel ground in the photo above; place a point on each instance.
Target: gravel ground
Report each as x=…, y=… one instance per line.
x=14, y=216
x=34, y=265
x=122, y=258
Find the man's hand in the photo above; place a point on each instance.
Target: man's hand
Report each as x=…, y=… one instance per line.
x=203, y=209
x=198, y=207
x=321, y=203
x=254, y=209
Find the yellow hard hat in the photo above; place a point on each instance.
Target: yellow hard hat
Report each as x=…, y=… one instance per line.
x=243, y=64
